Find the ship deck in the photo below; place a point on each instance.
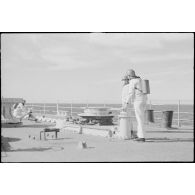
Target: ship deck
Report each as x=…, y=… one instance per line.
x=23, y=144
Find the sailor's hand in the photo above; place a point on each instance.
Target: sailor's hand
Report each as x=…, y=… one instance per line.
x=124, y=106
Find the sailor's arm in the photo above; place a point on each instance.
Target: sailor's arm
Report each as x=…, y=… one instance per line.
x=130, y=95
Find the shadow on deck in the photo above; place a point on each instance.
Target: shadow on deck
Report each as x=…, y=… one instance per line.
x=31, y=149
x=165, y=139
x=36, y=126
x=170, y=131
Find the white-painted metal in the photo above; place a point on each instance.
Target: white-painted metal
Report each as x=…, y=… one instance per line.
x=44, y=109
x=178, y=114
x=124, y=126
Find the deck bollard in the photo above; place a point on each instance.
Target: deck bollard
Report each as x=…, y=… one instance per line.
x=80, y=130
x=149, y=114
x=110, y=134
x=82, y=145
x=167, y=117
x=124, y=125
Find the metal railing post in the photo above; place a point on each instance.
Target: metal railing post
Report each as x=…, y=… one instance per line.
x=71, y=109
x=57, y=108
x=178, y=114
x=44, y=108
x=150, y=104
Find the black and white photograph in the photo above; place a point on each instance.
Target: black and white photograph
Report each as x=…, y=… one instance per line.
x=97, y=97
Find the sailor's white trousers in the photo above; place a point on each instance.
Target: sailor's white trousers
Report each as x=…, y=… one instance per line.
x=128, y=110
x=139, y=107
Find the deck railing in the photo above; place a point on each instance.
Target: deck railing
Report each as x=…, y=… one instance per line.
x=72, y=110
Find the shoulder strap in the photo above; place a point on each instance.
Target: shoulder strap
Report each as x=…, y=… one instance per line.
x=137, y=88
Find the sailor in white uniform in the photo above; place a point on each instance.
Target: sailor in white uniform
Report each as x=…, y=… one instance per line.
x=125, y=99
x=139, y=100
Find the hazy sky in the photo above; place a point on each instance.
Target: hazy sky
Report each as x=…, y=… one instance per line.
x=89, y=66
